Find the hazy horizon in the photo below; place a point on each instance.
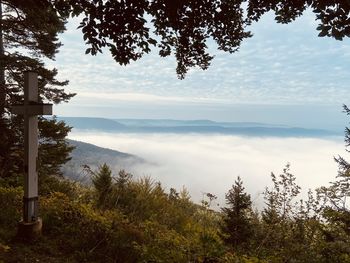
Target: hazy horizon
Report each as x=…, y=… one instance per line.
x=284, y=74
x=305, y=116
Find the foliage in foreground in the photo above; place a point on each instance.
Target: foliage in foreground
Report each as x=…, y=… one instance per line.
x=121, y=219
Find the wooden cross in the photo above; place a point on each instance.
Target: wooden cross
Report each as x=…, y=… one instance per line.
x=31, y=109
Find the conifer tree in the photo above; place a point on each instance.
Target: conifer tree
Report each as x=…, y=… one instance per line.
x=28, y=34
x=102, y=181
x=237, y=216
x=335, y=208
x=344, y=166
x=123, y=194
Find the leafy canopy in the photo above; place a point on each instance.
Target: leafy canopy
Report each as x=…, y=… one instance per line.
x=130, y=28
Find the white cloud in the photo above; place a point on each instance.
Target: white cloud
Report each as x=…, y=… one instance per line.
x=280, y=64
x=143, y=97
x=211, y=163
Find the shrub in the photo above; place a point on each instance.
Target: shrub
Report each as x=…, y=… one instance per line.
x=87, y=233
x=11, y=211
x=11, y=205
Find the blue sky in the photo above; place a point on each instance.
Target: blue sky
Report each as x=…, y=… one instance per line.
x=284, y=74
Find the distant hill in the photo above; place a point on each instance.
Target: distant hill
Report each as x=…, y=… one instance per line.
x=174, y=123
x=192, y=126
x=87, y=123
x=93, y=156
x=243, y=131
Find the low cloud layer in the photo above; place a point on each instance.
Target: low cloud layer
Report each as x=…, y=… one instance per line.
x=211, y=163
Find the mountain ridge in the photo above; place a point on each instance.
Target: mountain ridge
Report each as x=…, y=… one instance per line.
x=192, y=126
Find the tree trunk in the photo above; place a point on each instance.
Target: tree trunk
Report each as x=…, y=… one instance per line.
x=2, y=68
x=3, y=127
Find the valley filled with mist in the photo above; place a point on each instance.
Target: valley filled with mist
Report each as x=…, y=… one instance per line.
x=205, y=156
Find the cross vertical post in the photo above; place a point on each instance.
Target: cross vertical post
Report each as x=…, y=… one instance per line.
x=30, y=199
x=30, y=227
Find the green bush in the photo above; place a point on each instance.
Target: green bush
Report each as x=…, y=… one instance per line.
x=11, y=205
x=163, y=245
x=85, y=232
x=11, y=211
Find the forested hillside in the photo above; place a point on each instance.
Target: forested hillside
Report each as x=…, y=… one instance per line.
x=88, y=154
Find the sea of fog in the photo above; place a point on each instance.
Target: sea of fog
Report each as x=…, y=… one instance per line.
x=211, y=163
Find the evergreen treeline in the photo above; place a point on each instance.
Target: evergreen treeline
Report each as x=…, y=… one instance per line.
x=123, y=219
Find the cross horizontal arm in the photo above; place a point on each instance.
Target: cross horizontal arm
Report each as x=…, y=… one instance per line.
x=32, y=109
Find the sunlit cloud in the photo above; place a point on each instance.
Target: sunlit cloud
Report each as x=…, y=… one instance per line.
x=280, y=64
